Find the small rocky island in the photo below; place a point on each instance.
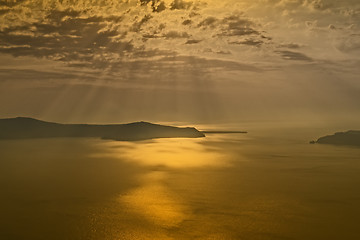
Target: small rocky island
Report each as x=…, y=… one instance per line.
x=351, y=138
x=25, y=128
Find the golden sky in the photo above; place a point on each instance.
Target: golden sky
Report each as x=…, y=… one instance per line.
x=175, y=60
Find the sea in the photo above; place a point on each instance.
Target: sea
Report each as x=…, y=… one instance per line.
x=269, y=183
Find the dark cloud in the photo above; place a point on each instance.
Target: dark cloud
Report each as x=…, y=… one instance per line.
x=187, y=22
x=151, y=53
x=147, y=36
x=209, y=64
x=67, y=35
x=71, y=39
x=10, y=3
x=175, y=34
x=192, y=41
x=180, y=4
x=223, y=52
x=57, y=15
x=250, y=42
x=4, y=11
x=137, y=25
x=156, y=5
x=159, y=6
x=290, y=45
x=289, y=55
x=36, y=75
x=230, y=26
x=208, y=22
x=236, y=25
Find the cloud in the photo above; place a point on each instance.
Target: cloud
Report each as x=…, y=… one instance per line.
x=187, y=22
x=31, y=75
x=94, y=35
x=250, y=42
x=4, y=11
x=315, y=4
x=68, y=40
x=233, y=27
x=136, y=27
x=208, y=22
x=86, y=38
x=307, y=4
x=351, y=44
x=290, y=45
x=238, y=26
x=208, y=64
x=192, y=41
x=289, y=55
x=175, y=34
x=11, y=3
x=180, y=4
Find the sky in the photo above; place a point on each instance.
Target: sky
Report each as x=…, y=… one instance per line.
x=106, y=61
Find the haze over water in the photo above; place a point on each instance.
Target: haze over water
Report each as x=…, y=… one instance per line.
x=267, y=184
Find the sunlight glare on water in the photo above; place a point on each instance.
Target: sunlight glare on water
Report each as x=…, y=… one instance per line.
x=172, y=153
x=153, y=199
x=155, y=202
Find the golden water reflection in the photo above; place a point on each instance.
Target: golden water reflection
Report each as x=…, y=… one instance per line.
x=172, y=153
x=153, y=200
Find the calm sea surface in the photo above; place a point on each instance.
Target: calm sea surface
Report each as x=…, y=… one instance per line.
x=267, y=184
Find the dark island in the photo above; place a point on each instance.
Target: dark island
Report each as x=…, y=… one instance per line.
x=351, y=138
x=24, y=128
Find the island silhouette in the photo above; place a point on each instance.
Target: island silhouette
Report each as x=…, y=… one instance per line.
x=25, y=128
x=351, y=138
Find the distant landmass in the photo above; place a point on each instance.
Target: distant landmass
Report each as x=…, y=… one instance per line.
x=24, y=128
x=351, y=138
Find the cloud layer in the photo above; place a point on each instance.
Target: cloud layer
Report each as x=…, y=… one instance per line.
x=107, y=33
